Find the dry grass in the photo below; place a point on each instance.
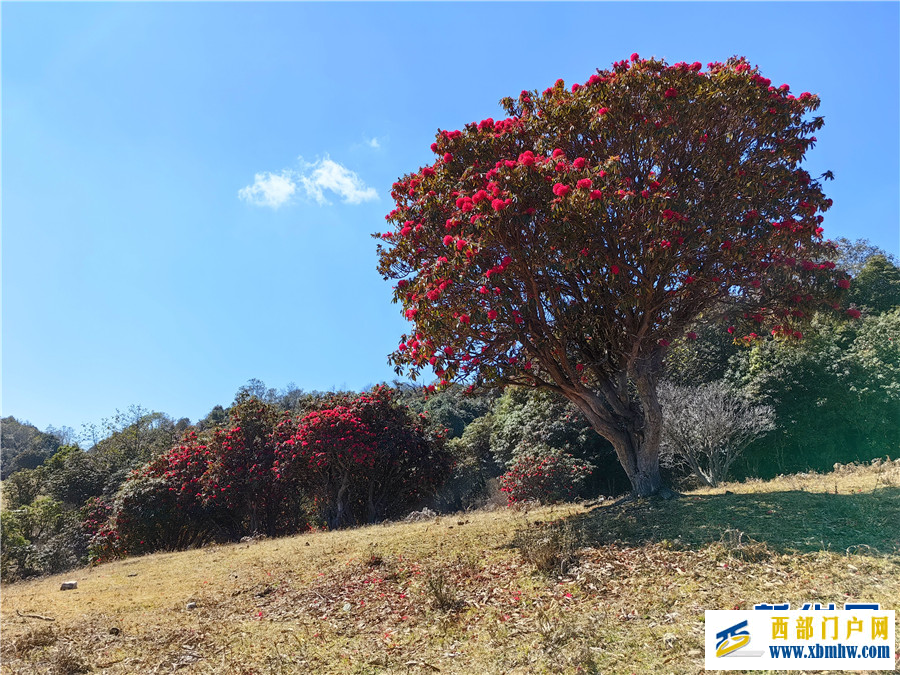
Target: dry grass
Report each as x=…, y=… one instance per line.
x=457, y=596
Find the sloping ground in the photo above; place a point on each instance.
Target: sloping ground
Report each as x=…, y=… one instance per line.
x=456, y=594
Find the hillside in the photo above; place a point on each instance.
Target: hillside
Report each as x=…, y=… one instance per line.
x=455, y=594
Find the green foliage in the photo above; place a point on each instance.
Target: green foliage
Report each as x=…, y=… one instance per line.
x=22, y=488
x=535, y=422
x=702, y=357
x=852, y=256
x=453, y=408
x=40, y=538
x=74, y=476
x=835, y=395
x=526, y=418
x=24, y=446
x=474, y=466
x=149, y=516
x=133, y=437
x=876, y=288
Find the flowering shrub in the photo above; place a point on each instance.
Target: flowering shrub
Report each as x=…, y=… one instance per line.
x=568, y=246
x=364, y=461
x=547, y=477
x=359, y=461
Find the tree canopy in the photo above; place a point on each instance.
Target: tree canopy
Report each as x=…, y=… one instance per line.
x=569, y=245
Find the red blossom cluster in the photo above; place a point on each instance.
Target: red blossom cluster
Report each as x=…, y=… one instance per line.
x=548, y=478
x=356, y=460
x=539, y=210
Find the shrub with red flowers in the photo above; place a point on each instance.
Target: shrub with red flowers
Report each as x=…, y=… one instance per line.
x=547, y=477
x=632, y=204
x=357, y=460
x=364, y=461
x=240, y=485
x=160, y=506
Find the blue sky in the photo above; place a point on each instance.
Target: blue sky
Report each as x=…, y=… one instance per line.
x=189, y=189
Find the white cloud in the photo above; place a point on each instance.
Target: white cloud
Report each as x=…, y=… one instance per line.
x=270, y=189
x=373, y=143
x=326, y=174
x=275, y=190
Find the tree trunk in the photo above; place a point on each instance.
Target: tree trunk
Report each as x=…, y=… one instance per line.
x=634, y=427
x=336, y=521
x=372, y=511
x=641, y=464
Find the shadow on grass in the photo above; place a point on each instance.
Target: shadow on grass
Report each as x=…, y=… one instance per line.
x=787, y=522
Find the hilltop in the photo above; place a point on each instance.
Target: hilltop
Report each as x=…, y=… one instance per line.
x=623, y=587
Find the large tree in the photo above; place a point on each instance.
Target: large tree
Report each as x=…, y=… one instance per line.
x=567, y=246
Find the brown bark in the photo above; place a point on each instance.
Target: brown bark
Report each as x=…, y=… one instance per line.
x=632, y=425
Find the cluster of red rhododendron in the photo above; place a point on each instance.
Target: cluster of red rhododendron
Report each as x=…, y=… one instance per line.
x=597, y=222
x=362, y=459
x=546, y=477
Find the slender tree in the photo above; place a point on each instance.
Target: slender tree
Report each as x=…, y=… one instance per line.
x=568, y=245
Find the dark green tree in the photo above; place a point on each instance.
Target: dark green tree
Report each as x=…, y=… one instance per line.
x=876, y=288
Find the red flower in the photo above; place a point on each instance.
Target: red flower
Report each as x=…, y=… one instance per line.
x=584, y=184
x=498, y=205
x=853, y=313
x=557, y=153
x=448, y=158
x=492, y=314
x=526, y=158
x=844, y=283
x=602, y=111
x=596, y=194
x=464, y=318
x=448, y=240
x=614, y=269
x=579, y=162
x=692, y=335
x=560, y=190
x=671, y=92
x=634, y=57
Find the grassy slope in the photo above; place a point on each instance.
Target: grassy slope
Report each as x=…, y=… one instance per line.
x=360, y=601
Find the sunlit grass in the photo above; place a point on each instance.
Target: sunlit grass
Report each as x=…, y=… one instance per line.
x=455, y=595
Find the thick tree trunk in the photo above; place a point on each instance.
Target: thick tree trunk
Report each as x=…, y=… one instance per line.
x=634, y=427
x=641, y=464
